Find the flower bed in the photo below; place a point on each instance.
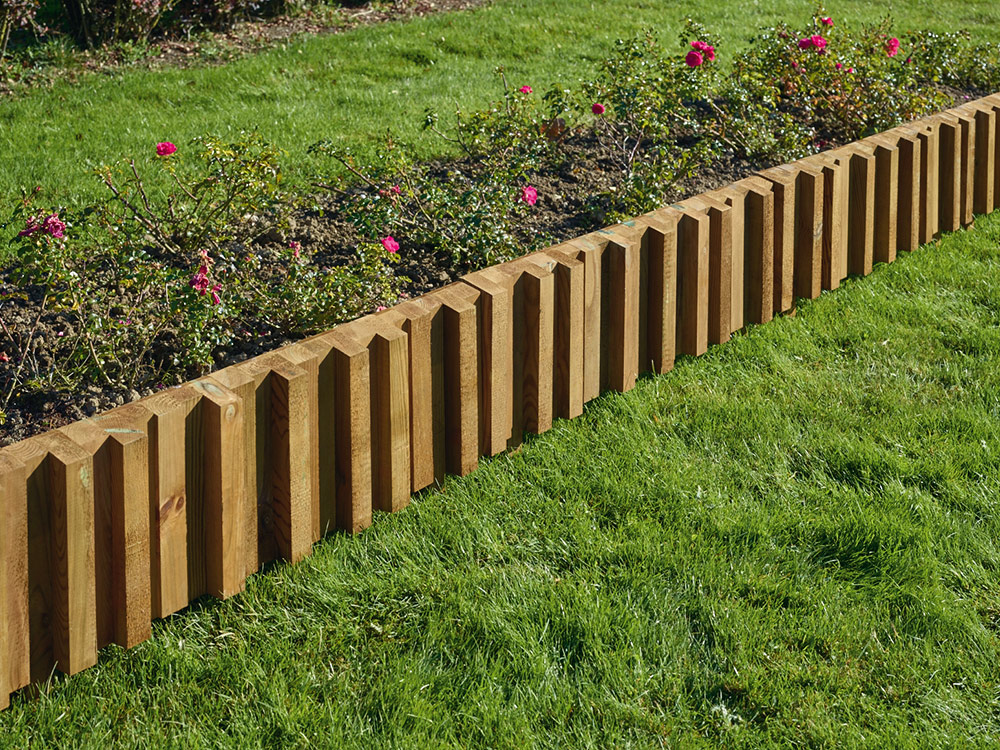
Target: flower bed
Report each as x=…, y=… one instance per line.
x=106, y=313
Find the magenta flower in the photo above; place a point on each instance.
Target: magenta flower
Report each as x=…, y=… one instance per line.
x=694, y=59
x=850, y=70
x=838, y=66
x=216, y=299
x=525, y=89
x=597, y=108
x=380, y=308
x=30, y=227
x=529, y=195
x=395, y=189
x=296, y=248
x=826, y=21
x=165, y=148
x=390, y=244
x=705, y=49
x=892, y=47
x=199, y=282
x=53, y=226
x=805, y=43
x=815, y=41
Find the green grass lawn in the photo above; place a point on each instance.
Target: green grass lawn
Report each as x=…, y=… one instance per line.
x=351, y=87
x=791, y=541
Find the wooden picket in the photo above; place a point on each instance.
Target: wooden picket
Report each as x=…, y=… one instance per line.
x=113, y=521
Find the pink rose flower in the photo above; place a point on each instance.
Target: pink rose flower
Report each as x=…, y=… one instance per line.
x=380, y=308
x=216, y=299
x=818, y=41
x=165, y=148
x=826, y=21
x=838, y=66
x=597, y=109
x=395, y=189
x=30, y=227
x=805, y=43
x=53, y=226
x=390, y=244
x=296, y=248
x=705, y=49
x=892, y=47
x=525, y=89
x=694, y=59
x=529, y=195
x=850, y=70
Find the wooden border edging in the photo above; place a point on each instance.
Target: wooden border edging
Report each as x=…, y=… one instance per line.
x=113, y=521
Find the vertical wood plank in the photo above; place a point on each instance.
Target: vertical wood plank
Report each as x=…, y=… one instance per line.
x=291, y=456
x=967, y=173
x=567, y=353
x=658, y=291
x=692, y=283
x=61, y=576
x=589, y=254
x=461, y=384
x=735, y=198
x=223, y=488
x=809, y=200
x=128, y=448
x=388, y=354
x=886, y=202
x=985, y=161
x=245, y=385
x=168, y=492
x=353, y=432
x=861, y=217
x=758, y=235
x=908, y=224
x=950, y=173
x=620, y=302
x=416, y=322
x=720, y=265
x=836, y=186
x=121, y=524
x=928, y=137
x=15, y=664
x=783, y=186
x=496, y=353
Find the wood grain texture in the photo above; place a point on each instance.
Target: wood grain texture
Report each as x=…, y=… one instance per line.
x=836, y=187
x=244, y=385
x=620, y=306
x=783, y=186
x=861, y=216
x=567, y=346
x=461, y=377
x=353, y=432
x=758, y=251
x=809, y=227
x=949, y=173
x=121, y=525
x=13, y=494
x=927, y=136
x=172, y=436
x=589, y=254
x=290, y=510
x=985, y=161
x=908, y=214
x=15, y=628
x=735, y=198
x=388, y=355
x=720, y=265
x=967, y=169
x=416, y=322
x=692, y=282
x=886, y=210
x=224, y=492
x=495, y=356
x=62, y=594
x=658, y=291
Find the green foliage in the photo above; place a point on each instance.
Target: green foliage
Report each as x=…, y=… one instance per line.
x=159, y=284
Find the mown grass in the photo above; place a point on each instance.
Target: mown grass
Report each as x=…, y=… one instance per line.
x=791, y=541
x=352, y=87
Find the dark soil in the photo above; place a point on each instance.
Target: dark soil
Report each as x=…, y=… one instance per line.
x=566, y=208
